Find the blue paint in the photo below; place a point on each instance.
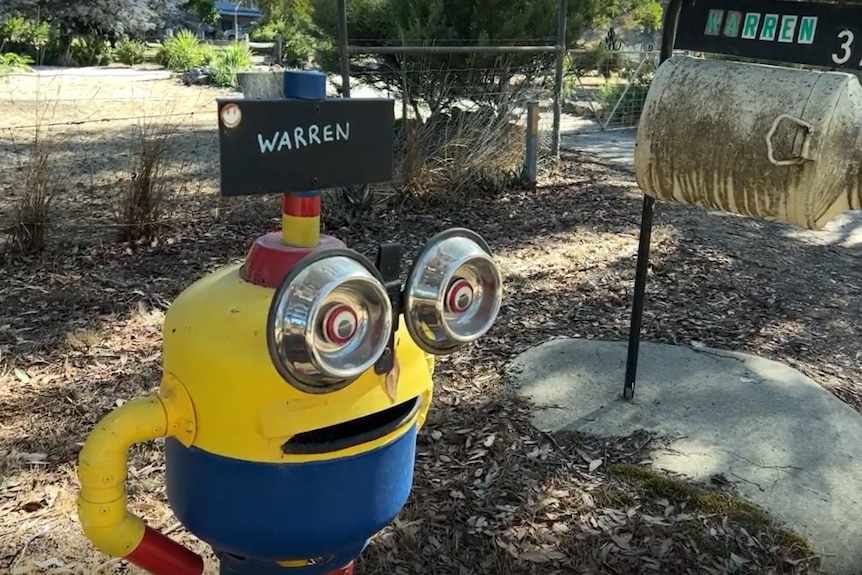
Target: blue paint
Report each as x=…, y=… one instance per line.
x=275, y=512
x=226, y=9
x=304, y=84
x=306, y=194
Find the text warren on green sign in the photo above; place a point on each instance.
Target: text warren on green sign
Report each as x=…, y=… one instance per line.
x=788, y=28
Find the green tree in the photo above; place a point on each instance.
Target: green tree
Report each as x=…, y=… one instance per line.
x=644, y=15
x=204, y=10
x=439, y=80
x=107, y=17
x=648, y=17
x=369, y=22
x=287, y=10
x=293, y=21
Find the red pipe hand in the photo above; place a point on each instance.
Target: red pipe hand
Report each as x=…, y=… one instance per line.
x=160, y=555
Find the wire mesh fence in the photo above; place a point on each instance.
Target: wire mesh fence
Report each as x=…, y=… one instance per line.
x=461, y=127
x=602, y=89
x=461, y=110
x=75, y=144
x=605, y=90
x=82, y=139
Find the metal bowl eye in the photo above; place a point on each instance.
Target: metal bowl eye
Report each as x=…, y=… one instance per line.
x=453, y=293
x=329, y=321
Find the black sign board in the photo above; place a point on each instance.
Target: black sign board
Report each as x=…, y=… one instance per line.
x=277, y=146
x=816, y=34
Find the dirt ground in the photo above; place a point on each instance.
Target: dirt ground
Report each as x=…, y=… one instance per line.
x=80, y=333
x=91, y=122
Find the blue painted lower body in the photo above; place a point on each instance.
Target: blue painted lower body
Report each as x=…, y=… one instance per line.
x=255, y=514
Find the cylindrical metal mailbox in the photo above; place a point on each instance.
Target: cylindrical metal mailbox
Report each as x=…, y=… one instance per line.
x=765, y=141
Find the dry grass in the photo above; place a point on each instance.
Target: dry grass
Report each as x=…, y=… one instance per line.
x=30, y=215
x=118, y=142
x=142, y=201
x=83, y=339
x=460, y=142
x=455, y=156
x=36, y=187
x=449, y=159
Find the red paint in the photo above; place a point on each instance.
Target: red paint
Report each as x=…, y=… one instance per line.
x=453, y=299
x=161, y=555
x=332, y=321
x=269, y=260
x=343, y=571
x=300, y=206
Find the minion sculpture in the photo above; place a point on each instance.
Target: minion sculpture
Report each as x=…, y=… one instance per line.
x=293, y=388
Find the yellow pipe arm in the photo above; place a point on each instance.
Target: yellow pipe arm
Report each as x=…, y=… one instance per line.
x=102, y=471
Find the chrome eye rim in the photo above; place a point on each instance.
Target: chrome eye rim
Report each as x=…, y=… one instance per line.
x=445, y=264
x=301, y=347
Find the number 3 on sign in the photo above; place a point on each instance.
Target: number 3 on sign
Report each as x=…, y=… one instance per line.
x=845, y=47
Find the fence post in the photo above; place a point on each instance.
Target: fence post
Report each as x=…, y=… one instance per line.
x=342, y=48
x=531, y=154
x=562, y=14
x=279, y=49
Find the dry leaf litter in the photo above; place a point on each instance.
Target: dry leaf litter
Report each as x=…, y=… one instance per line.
x=80, y=334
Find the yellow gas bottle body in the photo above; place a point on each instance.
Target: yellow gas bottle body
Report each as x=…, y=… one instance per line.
x=293, y=389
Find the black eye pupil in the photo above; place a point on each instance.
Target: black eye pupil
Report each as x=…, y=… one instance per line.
x=344, y=328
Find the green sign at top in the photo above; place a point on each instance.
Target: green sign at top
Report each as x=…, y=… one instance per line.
x=787, y=28
x=826, y=35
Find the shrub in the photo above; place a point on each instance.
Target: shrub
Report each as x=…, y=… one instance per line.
x=596, y=59
x=235, y=58
x=458, y=154
x=208, y=55
x=298, y=48
x=23, y=36
x=11, y=62
x=267, y=32
x=414, y=22
x=298, y=43
x=181, y=52
x=88, y=51
x=130, y=52
x=293, y=20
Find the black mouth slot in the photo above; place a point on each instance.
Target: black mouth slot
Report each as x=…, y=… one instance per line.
x=354, y=432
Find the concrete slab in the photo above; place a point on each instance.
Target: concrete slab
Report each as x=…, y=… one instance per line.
x=790, y=446
x=615, y=147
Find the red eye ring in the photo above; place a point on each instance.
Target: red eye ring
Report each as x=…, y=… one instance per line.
x=459, y=297
x=340, y=324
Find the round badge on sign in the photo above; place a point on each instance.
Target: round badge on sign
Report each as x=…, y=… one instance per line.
x=231, y=116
